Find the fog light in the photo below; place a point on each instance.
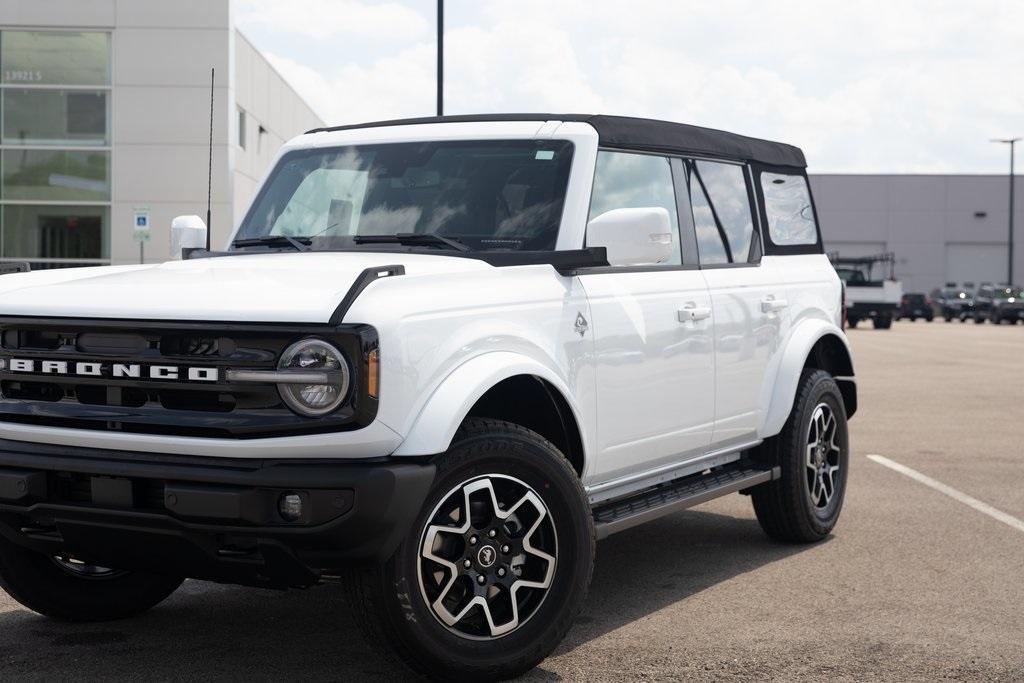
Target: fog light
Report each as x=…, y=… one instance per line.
x=290, y=506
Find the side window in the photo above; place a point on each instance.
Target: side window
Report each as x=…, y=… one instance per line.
x=787, y=204
x=726, y=188
x=623, y=180
x=710, y=239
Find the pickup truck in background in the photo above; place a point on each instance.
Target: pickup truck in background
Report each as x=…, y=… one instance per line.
x=872, y=290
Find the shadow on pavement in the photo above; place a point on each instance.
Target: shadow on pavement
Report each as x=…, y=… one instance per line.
x=223, y=632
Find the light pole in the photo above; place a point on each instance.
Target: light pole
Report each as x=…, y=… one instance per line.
x=440, y=57
x=1009, y=240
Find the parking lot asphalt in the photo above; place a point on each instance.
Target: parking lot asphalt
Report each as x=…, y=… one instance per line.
x=913, y=585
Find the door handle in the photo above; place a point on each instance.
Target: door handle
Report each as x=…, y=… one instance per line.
x=770, y=304
x=692, y=312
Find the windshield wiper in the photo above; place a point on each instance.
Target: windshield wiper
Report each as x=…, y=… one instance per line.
x=412, y=239
x=299, y=243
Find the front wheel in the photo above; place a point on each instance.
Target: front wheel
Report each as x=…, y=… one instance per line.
x=813, y=452
x=882, y=322
x=496, y=567
x=69, y=590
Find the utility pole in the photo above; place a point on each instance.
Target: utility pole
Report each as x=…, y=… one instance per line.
x=1009, y=240
x=440, y=57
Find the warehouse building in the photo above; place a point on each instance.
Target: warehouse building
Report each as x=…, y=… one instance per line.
x=941, y=228
x=105, y=117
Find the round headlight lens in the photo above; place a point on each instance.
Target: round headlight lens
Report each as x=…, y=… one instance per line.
x=314, y=356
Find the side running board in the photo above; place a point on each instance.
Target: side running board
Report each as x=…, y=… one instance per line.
x=680, y=494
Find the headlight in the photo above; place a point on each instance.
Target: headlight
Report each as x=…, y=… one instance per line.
x=319, y=377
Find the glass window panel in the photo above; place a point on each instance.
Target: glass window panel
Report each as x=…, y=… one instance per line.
x=709, y=240
x=630, y=181
x=787, y=203
x=53, y=117
x=55, y=232
x=55, y=175
x=727, y=190
x=55, y=57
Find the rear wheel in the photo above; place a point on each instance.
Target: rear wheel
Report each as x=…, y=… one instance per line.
x=66, y=589
x=948, y=317
x=882, y=322
x=496, y=567
x=851, y=321
x=813, y=452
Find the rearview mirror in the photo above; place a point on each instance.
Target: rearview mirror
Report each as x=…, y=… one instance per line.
x=633, y=237
x=187, y=232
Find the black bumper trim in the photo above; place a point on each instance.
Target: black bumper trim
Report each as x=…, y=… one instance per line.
x=205, y=518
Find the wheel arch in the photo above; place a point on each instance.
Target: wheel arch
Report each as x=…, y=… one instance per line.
x=817, y=344
x=505, y=386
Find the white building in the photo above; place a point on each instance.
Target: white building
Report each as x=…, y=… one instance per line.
x=105, y=110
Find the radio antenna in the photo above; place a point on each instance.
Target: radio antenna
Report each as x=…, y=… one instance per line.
x=209, y=170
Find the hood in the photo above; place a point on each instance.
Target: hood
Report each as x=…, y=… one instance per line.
x=279, y=287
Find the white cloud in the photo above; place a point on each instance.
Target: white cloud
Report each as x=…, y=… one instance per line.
x=871, y=86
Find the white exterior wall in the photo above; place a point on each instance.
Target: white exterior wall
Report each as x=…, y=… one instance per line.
x=929, y=222
x=269, y=103
x=162, y=53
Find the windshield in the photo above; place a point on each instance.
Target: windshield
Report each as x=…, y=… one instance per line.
x=487, y=195
x=851, y=276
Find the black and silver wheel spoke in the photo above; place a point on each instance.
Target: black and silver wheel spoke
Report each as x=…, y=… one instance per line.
x=487, y=556
x=822, y=456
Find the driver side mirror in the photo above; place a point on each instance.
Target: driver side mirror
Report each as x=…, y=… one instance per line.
x=633, y=237
x=187, y=232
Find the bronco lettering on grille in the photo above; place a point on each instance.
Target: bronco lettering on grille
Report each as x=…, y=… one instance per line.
x=111, y=370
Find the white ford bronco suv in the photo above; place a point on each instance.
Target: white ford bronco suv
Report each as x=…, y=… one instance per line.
x=437, y=361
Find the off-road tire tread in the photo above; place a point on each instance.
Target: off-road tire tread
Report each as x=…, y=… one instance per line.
x=365, y=586
x=779, y=505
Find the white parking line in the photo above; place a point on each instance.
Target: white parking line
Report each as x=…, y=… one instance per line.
x=985, y=508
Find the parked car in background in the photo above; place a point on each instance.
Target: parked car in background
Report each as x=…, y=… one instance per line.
x=915, y=305
x=954, y=301
x=999, y=303
x=869, y=293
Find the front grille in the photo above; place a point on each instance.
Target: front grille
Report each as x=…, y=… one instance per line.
x=150, y=405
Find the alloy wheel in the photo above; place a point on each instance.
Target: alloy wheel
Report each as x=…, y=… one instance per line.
x=487, y=557
x=823, y=456
x=86, y=571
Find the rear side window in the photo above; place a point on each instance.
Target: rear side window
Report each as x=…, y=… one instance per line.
x=710, y=237
x=721, y=212
x=623, y=180
x=787, y=205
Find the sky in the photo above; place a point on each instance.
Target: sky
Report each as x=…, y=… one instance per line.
x=901, y=86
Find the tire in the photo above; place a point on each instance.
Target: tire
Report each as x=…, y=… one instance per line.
x=929, y=318
x=69, y=591
x=913, y=318
x=397, y=601
x=948, y=317
x=851, y=322
x=882, y=322
x=789, y=509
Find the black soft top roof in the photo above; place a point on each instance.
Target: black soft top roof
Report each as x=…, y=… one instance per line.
x=635, y=133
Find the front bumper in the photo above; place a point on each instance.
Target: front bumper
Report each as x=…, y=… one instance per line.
x=207, y=518
x=870, y=310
